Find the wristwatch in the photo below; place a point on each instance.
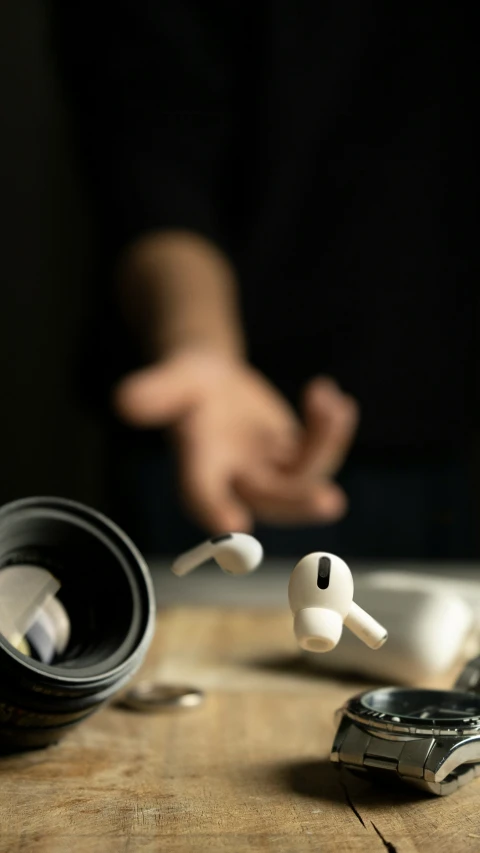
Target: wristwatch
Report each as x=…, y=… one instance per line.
x=428, y=738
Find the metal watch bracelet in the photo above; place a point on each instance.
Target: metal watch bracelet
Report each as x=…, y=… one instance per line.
x=420, y=761
x=469, y=678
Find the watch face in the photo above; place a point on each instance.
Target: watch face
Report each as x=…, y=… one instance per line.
x=444, y=708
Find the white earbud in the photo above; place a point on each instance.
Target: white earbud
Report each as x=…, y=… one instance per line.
x=320, y=593
x=235, y=553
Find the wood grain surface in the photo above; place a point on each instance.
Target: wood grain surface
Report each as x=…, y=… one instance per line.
x=246, y=771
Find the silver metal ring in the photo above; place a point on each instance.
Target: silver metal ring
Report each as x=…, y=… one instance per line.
x=152, y=697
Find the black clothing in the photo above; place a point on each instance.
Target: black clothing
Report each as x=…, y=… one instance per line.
x=327, y=148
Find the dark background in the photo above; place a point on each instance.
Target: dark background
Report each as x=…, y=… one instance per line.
x=49, y=442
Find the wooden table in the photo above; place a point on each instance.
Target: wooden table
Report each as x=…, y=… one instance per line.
x=247, y=771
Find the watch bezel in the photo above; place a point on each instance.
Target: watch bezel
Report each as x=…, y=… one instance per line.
x=391, y=724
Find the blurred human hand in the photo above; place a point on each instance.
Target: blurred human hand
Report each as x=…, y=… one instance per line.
x=243, y=454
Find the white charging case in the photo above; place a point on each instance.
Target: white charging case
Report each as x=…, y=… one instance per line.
x=431, y=629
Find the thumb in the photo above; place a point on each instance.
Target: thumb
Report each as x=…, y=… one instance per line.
x=155, y=395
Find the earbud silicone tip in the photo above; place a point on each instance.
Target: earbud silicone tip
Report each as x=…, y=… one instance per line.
x=317, y=629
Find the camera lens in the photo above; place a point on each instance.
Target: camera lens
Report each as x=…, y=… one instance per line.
x=77, y=615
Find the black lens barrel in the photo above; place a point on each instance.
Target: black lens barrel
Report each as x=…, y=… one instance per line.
x=107, y=593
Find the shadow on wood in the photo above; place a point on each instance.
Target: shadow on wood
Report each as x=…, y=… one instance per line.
x=323, y=780
x=297, y=664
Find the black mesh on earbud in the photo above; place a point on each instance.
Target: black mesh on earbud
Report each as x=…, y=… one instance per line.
x=221, y=538
x=323, y=576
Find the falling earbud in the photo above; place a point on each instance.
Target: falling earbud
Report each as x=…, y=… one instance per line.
x=320, y=593
x=235, y=553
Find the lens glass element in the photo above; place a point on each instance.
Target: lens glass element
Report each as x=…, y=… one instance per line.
x=32, y=618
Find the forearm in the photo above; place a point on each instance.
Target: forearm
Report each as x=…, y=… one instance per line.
x=180, y=291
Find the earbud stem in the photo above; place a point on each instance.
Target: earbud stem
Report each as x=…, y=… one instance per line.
x=187, y=562
x=365, y=627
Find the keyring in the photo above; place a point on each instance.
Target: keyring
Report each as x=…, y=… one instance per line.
x=152, y=697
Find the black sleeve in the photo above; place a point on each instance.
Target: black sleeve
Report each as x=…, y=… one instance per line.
x=151, y=84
